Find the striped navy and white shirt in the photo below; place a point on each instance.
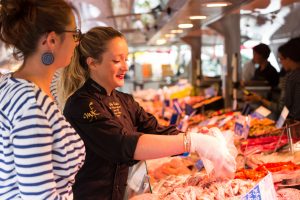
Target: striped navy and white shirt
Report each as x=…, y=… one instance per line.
x=40, y=153
x=53, y=85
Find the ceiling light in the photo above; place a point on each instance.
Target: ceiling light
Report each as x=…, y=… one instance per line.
x=187, y=25
x=197, y=17
x=177, y=31
x=217, y=4
x=168, y=35
x=160, y=41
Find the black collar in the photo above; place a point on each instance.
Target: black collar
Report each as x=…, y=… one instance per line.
x=93, y=85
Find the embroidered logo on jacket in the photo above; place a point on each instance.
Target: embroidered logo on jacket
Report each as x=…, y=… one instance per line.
x=116, y=108
x=92, y=114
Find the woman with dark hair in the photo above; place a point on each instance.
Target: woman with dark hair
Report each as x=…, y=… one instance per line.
x=290, y=59
x=116, y=130
x=40, y=153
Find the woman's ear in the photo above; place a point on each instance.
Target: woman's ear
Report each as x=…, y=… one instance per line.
x=91, y=62
x=49, y=40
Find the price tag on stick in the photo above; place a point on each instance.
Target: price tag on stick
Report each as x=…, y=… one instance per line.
x=282, y=117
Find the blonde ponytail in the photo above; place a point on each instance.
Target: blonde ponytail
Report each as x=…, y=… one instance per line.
x=71, y=79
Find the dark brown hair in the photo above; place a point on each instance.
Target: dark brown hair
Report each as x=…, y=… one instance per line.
x=263, y=50
x=23, y=22
x=291, y=49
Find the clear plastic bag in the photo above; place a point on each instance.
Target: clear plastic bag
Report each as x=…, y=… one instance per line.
x=227, y=144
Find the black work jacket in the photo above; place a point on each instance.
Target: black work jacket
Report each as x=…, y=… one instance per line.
x=110, y=127
x=269, y=74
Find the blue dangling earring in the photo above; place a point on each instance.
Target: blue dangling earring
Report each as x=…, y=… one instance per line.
x=47, y=58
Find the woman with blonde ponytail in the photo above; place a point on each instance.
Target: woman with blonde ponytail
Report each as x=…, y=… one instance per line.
x=116, y=130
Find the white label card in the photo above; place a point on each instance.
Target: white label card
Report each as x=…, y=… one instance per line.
x=263, y=111
x=264, y=190
x=282, y=117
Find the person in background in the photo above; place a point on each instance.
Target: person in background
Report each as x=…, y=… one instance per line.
x=116, y=130
x=290, y=59
x=288, y=83
x=40, y=153
x=265, y=71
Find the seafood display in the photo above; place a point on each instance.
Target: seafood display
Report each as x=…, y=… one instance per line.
x=200, y=186
x=262, y=151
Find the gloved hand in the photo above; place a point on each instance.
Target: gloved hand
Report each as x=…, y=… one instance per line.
x=215, y=150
